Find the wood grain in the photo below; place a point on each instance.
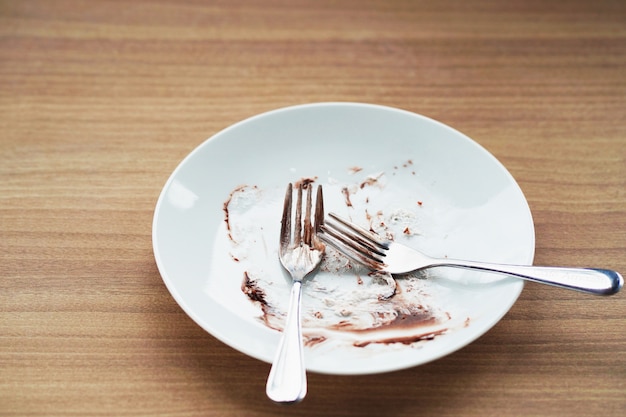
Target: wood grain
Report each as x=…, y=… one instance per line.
x=100, y=100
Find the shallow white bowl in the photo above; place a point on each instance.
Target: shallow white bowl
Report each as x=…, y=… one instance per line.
x=472, y=208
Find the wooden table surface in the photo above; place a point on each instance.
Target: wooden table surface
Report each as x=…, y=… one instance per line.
x=100, y=101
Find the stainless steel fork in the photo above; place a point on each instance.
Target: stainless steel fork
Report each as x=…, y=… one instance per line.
x=379, y=254
x=300, y=253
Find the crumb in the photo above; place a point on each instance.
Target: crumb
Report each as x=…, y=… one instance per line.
x=346, y=194
x=371, y=180
x=304, y=182
x=313, y=340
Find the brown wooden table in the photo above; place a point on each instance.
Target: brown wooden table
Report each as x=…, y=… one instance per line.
x=100, y=100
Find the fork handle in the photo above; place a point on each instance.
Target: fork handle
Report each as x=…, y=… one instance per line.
x=589, y=280
x=286, y=382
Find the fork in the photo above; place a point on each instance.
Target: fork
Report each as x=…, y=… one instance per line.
x=300, y=253
x=383, y=255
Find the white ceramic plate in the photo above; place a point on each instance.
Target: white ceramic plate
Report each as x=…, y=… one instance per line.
x=455, y=197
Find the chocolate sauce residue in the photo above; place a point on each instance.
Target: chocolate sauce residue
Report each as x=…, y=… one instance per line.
x=304, y=182
x=408, y=320
x=251, y=289
x=414, y=318
x=310, y=341
x=417, y=317
x=344, y=325
x=346, y=195
x=407, y=340
x=371, y=180
x=355, y=169
x=226, y=209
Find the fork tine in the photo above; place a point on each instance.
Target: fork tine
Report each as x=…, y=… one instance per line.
x=347, y=245
x=297, y=239
x=354, y=242
x=366, y=234
x=308, y=229
x=285, y=224
x=319, y=209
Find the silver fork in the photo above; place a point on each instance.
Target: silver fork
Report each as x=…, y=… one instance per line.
x=300, y=253
x=369, y=249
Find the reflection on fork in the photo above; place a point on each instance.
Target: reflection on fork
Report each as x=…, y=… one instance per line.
x=370, y=250
x=300, y=253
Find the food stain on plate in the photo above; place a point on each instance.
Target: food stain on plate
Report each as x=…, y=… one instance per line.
x=342, y=301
